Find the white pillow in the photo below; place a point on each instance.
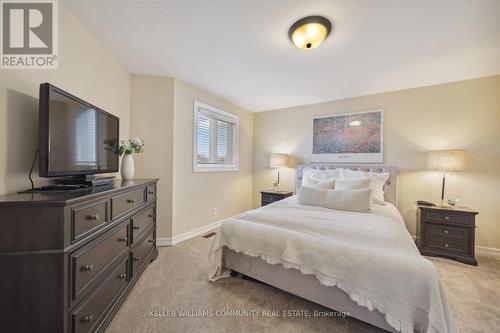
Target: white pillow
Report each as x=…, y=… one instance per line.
x=350, y=200
x=321, y=174
x=319, y=178
x=316, y=183
x=377, y=182
x=352, y=184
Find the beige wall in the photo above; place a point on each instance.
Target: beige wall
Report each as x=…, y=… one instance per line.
x=457, y=115
x=195, y=195
x=152, y=119
x=86, y=69
x=162, y=114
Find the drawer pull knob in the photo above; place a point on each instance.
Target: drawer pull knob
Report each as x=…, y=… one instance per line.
x=88, y=319
x=122, y=276
x=447, y=218
x=137, y=258
x=136, y=227
x=151, y=241
x=88, y=268
x=94, y=217
x=122, y=239
x=151, y=192
x=151, y=215
x=446, y=245
x=446, y=231
x=130, y=200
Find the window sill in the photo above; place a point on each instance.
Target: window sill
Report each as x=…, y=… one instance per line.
x=214, y=168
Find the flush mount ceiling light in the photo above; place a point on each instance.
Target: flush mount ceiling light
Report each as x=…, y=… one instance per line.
x=309, y=32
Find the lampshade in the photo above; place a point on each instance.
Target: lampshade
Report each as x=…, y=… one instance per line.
x=278, y=160
x=449, y=160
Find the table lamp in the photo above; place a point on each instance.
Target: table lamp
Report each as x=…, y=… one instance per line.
x=278, y=161
x=445, y=161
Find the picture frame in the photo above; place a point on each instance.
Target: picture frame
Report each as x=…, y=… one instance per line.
x=356, y=137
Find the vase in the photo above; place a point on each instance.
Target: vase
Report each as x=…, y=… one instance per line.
x=127, y=169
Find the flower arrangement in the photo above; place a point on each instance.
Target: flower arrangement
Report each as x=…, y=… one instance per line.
x=131, y=146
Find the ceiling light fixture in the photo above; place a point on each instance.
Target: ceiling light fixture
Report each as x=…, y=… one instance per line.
x=309, y=32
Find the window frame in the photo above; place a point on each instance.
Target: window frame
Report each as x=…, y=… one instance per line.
x=215, y=167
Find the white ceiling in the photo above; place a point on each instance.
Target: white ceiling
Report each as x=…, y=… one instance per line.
x=239, y=50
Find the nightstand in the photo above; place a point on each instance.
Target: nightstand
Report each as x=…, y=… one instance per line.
x=268, y=197
x=447, y=232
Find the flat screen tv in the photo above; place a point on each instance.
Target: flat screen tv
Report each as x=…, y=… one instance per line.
x=76, y=137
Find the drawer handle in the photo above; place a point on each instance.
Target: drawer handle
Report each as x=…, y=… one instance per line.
x=151, y=192
x=137, y=258
x=94, y=217
x=122, y=239
x=447, y=218
x=151, y=241
x=446, y=245
x=152, y=215
x=88, y=268
x=130, y=200
x=446, y=231
x=122, y=276
x=88, y=319
x=136, y=227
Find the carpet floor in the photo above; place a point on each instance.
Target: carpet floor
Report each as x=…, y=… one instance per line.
x=174, y=295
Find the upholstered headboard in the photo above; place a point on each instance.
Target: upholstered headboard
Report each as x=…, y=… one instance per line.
x=390, y=189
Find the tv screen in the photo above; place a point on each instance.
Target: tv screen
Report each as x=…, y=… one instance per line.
x=76, y=137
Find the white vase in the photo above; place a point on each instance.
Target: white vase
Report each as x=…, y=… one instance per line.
x=127, y=169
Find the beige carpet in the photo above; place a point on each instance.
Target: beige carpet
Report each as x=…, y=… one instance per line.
x=177, y=281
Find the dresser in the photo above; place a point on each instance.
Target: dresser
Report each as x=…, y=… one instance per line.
x=447, y=232
x=69, y=260
x=268, y=197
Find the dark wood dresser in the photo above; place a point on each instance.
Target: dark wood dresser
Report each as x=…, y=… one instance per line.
x=69, y=260
x=447, y=232
x=268, y=197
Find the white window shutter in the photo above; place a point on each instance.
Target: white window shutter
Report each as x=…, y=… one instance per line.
x=216, y=139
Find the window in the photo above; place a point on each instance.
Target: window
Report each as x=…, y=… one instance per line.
x=215, y=139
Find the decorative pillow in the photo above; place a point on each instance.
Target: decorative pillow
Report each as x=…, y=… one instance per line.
x=352, y=184
x=377, y=182
x=349, y=200
x=322, y=174
x=324, y=184
x=319, y=178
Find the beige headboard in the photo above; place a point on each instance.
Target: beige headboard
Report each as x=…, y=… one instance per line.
x=390, y=189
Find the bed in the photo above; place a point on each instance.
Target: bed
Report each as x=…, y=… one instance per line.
x=363, y=264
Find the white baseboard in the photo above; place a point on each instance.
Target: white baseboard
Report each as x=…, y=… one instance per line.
x=166, y=241
x=488, y=251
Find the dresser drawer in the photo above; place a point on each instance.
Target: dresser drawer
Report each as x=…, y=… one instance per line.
x=445, y=217
x=88, y=218
x=268, y=197
x=447, y=232
x=87, y=317
x=123, y=203
x=151, y=193
x=141, y=222
x=141, y=251
x=446, y=245
x=93, y=258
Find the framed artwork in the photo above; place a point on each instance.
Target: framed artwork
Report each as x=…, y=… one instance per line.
x=351, y=137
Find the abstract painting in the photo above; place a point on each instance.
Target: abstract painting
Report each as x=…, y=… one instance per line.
x=354, y=137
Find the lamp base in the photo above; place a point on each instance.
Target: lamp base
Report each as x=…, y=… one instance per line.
x=443, y=204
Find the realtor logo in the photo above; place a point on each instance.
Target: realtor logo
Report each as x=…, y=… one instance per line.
x=29, y=34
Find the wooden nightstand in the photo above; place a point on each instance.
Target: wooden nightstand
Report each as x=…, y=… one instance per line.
x=447, y=232
x=267, y=197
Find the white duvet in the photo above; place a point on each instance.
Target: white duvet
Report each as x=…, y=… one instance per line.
x=371, y=256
